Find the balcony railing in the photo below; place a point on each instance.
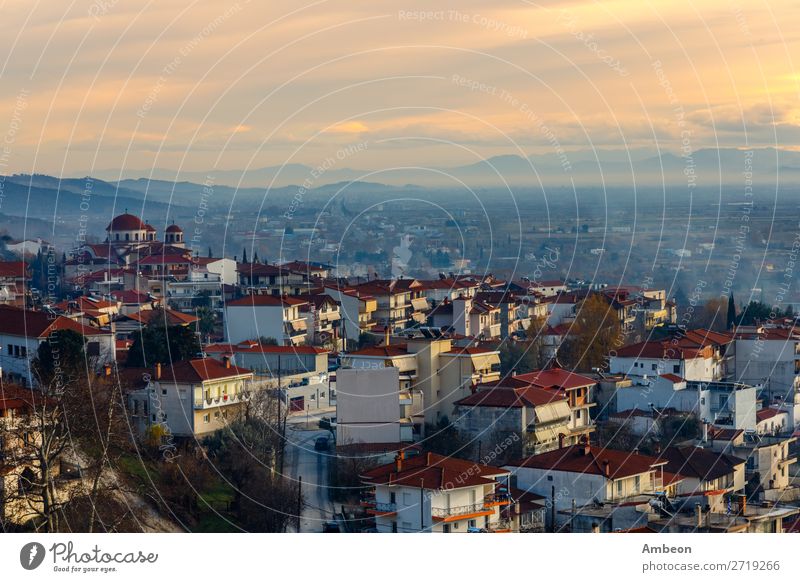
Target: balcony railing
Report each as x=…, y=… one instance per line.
x=230, y=398
x=381, y=508
x=444, y=513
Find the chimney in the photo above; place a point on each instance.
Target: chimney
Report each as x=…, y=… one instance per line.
x=606, y=471
x=107, y=369
x=158, y=371
x=398, y=463
x=513, y=372
x=743, y=503
x=705, y=432
x=595, y=528
x=586, y=447
x=227, y=361
x=658, y=448
x=386, y=335
x=698, y=511
x=561, y=440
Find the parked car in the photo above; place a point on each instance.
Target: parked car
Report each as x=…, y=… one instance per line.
x=321, y=444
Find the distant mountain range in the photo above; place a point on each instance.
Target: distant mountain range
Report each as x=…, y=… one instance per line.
x=706, y=167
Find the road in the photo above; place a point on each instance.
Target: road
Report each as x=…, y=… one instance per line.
x=303, y=461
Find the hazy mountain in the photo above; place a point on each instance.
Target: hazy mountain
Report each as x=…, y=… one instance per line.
x=705, y=167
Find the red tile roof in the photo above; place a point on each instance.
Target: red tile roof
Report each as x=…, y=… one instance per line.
x=556, y=378
x=500, y=397
x=171, y=316
x=767, y=413
x=126, y=222
x=266, y=301
x=433, y=471
x=170, y=259
x=37, y=324
x=390, y=351
x=674, y=378
x=591, y=460
x=699, y=463
x=199, y=370
x=14, y=269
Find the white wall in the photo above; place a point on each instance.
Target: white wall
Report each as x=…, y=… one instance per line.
x=246, y=322
x=367, y=405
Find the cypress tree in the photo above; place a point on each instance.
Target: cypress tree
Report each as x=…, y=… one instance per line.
x=731, y=311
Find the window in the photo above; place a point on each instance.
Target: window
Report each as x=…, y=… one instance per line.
x=446, y=528
x=619, y=487
x=394, y=527
x=578, y=414
x=654, y=367
x=392, y=497
x=472, y=523
x=163, y=392
x=93, y=349
x=407, y=498
x=637, y=483
x=676, y=368
x=206, y=418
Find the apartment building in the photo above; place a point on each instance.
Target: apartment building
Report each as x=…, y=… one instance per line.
x=399, y=302
x=22, y=331
x=440, y=371
x=14, y=279
x=255, y=316
x=577, y=389
x=433, y=493
x=700, y=355
x=770, y=357
x=191, y=398
x=357, y=311
x=272, y=279
x=371, y=408
x=582, y=475
x=514, y=407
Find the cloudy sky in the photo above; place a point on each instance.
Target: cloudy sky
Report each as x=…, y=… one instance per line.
x=209, y=84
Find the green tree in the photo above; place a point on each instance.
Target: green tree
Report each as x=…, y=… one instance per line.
x=61, y=355
x=156, y=343
x=756, y=311
x=731, y=320
x=206, y=319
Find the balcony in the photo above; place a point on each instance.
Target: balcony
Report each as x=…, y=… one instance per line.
x=380, y=509
x=461, y=512
x=221, y=400
x=496, y=499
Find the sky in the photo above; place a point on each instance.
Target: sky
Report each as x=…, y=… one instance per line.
x=195, y=86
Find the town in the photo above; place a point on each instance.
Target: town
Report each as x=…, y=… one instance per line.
x=148, y=385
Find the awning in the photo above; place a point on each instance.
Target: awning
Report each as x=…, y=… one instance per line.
x=420, y=304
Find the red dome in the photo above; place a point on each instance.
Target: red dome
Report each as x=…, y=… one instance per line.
x=174, y=228
x=149, y=228
x=126, y=222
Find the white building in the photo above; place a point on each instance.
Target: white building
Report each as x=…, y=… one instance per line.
x=255, y=316
x=770, y=357
x=191, y=397
x=371, y=407
x=433, y=493
x=23, y=331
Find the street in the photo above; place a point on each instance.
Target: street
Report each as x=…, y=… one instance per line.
x=303, y=461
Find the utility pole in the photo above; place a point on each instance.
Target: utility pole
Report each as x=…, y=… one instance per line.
x=552, y=508
x=299, y=500
x=421, y=504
